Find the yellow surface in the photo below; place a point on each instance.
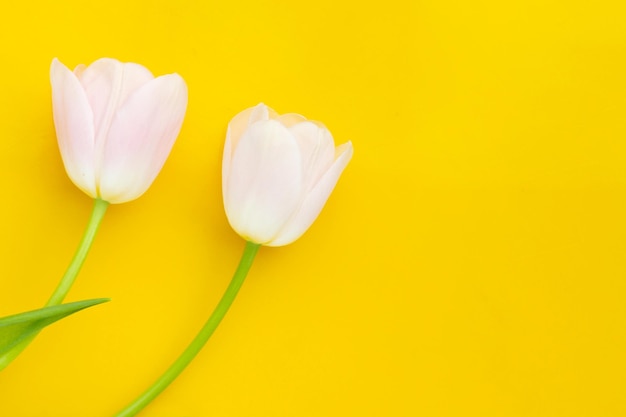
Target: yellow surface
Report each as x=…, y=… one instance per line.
x=469, y=263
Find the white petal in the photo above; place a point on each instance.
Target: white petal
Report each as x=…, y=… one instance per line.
x=291, y=119
x=73, y=121
x=236, y=127
x=141, y=137
x=315, y=200
x=79, y=70
x=317, y=149
x=227, y=157
x=264, y=184
x=244, y=119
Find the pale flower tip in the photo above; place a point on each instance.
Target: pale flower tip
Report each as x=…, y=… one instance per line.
x=176, y=83
x=259, y=112
x=263, y=112
x=107, y=60
x=345, y=150
x=267, y=109
x=55, y=67
x=181, y=83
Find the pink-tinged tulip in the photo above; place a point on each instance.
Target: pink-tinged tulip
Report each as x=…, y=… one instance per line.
x=116, y=124
x=277, y=173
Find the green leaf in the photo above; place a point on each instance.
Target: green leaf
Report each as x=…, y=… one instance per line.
x=19, y=327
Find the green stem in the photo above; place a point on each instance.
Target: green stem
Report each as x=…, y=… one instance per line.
x=99, y=208
x=201, y=338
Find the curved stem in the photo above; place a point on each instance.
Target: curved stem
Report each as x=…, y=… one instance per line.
x=201, y=338
x=99, y=208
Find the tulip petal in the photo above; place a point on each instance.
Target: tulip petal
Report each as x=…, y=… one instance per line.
x=227, y=157
x=317, y=149
x=141, y=137
x=315, y=199
x=290, y=119
x=78, y=70
x=264, y=184
x=236, y=127
x=73, y=120
x=243, y=119
x=108, y=83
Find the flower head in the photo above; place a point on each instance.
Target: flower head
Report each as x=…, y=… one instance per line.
x=116, y=124
x=277, y=173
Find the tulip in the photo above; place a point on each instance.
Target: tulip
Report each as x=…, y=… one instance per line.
x=277, y=173
x=116, y=125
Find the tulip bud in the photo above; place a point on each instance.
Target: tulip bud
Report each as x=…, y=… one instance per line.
x=116, y=125
x=277, y=173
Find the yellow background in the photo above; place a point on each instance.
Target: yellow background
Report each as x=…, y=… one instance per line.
x=469, y=263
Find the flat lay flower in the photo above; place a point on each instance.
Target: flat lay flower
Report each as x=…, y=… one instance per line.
x=116, y=124
x=277, y=173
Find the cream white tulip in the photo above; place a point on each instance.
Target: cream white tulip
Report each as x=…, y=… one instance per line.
x=116, y=124
x=277, y=173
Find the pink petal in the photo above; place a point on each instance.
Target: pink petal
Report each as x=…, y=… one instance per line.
x=264, y=186
x=141, y=137
x=315, y=200
x=108, y=83
x=73, y=120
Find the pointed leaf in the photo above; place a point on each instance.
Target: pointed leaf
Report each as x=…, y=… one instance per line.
x=18, y=327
